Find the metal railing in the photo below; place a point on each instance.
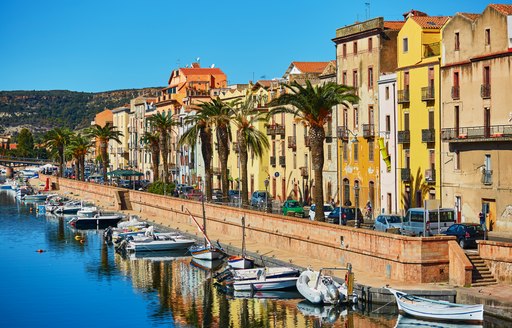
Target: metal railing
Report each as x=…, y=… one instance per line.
x=292, y=142
x=282, y=160
x=368, y=130
x=476, y=133
x=342, y=133
x=273, y=160
x=456, y=92
x=405, y=174
x=487, y=177
x=403, y=96
x=304, y=171
x=430, y=175
x=404, y=137
x=428, y=93
x=428, y=135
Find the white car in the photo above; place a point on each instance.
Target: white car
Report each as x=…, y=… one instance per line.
x=387, y=222
x=327, y=210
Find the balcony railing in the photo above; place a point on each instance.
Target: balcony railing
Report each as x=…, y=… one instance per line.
x=428, y=135
x=403, y=96
x=282, y=160
x=273, y=160
x=307, y=141
x=404, y=137
x=485, y=91
x=477, y=133
x=405, y=175
x=304, y=171
x=487, y=177
x=428, y=93
x=368, y=130
x=431, y=49
x=292, y=142
x=456, y=92
x=275, y=129
x=342, y=133
x=430, y=175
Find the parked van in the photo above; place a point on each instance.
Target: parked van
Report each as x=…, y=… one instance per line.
x=414, y=223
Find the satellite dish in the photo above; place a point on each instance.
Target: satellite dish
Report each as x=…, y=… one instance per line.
x=186, y=66
x=198, y=59
x=213, y=65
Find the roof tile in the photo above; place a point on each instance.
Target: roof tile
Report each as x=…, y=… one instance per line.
x=393, y=25
x=470, y=16
x=430, y=21
x=311, y=67
x=504, y=9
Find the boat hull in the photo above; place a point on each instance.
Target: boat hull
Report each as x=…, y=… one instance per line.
x=159, y=245
x=265, y=284
x=95, y=223
x=207, y=253
x=239, y=262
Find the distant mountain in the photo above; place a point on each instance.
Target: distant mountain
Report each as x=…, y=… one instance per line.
x=40, y=111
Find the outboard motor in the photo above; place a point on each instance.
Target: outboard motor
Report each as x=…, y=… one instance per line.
x=107, y=234
x=332, y=293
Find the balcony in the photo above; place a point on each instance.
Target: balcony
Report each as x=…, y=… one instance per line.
x=275, y=129
x=428, y=135
x=428, y=93
x=280, y=130
x=455, y=92
x=490, y=133
x=368, y=130
x=292, y=142
x=342, y=133
x=431, y=49
x=405, y=175
x=404, y=137
x=403, y=96
x=307, y=141
x=273, y=160
x=487, y=177
x=216, y=171
x=304, y=172
x=282, y=161
x=485, y=91
x=430, y=176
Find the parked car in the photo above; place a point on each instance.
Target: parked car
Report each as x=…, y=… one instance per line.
x=327, y=210
x=436, y=221
x=217, y=195
x=194, y=194
x=293, y=206
x=347, y=213
x=467, y=233
x=388, y=222
x=234, y=196
x=259, y=197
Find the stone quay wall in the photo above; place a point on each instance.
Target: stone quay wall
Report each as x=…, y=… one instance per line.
x=498, y=257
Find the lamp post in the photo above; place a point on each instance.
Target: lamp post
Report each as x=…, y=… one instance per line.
x=354, y=141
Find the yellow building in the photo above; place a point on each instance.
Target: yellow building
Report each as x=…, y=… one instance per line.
x=419, y=109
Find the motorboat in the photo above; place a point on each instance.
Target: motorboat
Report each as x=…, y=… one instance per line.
x=94, y=219
x=319, y=288
x=70, y=207
x=264, y=283
x=406, y=321
x=230, y=275
x=35, y=197
x=425, y=308
x=156, y=242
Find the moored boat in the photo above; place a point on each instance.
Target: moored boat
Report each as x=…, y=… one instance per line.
x=265, y=283
x=241, y=261
x=425, y=308
x=319, y=288
x=156, y=242
x=98, y=221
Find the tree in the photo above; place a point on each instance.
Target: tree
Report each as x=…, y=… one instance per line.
x=163, y=122
x=25, y=146
x=313, y=105
x=152, y=142
x=55, y=141
x=245, y=116
x=418, y=190
x=200, y=127
x=102, y=135
x=78, y=148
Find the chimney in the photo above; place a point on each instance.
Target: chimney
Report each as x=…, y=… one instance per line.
x=413, y=13
x=196, y=65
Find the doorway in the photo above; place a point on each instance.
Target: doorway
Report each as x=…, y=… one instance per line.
x=489, y=208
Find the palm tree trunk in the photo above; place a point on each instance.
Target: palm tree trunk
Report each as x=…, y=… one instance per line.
x=317, y=137
x=206, y=151
x=244, y=158
x=164, y=150
x=155, y=159
x=82, y=173
x=61, y=161
x=104, y=159
x=222, y=138
x=77, y=170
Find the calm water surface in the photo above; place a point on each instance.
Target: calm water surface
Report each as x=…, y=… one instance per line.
x=78, y=281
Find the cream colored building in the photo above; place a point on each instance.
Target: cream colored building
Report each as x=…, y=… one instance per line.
x=118, y=152
x=476, y=116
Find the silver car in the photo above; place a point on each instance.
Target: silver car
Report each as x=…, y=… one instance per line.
x=388, y=222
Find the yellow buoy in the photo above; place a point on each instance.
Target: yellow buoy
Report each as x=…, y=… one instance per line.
x=78, y=237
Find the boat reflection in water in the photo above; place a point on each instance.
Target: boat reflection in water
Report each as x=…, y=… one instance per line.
x=326, y=313
x=405, y=321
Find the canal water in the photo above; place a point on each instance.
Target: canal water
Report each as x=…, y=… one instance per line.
x=54, y=276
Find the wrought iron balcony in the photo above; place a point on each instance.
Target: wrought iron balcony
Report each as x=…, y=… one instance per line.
x=405, y=175
x=280, y=130
x=292, y=142
x=428, y=93
x=368, y=130
x=273, y=160
x=342, y=133
x=456, y=92
x=403, y=96
x=404, y=137
x=428, y=135
x=282, y=160
x=430, y=175
x=307, y=141
x=216, y=171
x=477, y=133
x=485, y=91
x=275, y=129
x=304, y=171
x=487, y=177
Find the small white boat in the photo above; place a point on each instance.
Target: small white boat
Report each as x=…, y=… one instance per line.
x=157, y=242
x=406, y=322
x=437, y=310
x=264, y=283
x=71, y=207
x=268, y=272
x=322, y=289
x=209, y=253
x=35, y=198
x=241, y=261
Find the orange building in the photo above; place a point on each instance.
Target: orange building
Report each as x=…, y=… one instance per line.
x=102, y=118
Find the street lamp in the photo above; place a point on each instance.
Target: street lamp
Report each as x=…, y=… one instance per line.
x=354, y=141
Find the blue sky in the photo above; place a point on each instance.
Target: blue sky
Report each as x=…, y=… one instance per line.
x=100, y=45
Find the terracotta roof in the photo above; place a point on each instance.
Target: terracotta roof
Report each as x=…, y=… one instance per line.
x=393, y=25
x=504, y=9
x=470, y=16
x=430, y=21
x=310, y=67
x=201, y=71
x=264, y=83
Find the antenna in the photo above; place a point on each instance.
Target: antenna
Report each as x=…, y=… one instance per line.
x=198, y=59
x=367, y=4
x=212, y=66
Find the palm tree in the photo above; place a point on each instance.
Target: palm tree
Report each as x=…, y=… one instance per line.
x=200, y=127
x=55, y=142
x=245, y=117
x=313, y=105
x=103, y=134
x=152, y=142
x=219, y=114
x=163, y=122
x=79, y=147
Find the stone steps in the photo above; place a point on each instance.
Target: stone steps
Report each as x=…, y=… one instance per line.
x=482, y=276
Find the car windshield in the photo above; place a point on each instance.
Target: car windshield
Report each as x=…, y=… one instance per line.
x=327, y=208
x=293, y=204
x=474, y=228
x=394, y=219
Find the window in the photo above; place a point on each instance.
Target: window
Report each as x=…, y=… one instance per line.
x=345, y=151
x=294, y=160
x=405, y=45
x=406, y=121
x=344, y=50
x=456, y=162
x=355, y=47
x=356, y=118
x=431, y=120
x=457, y=41
x=344, y=78
x=487, y=163
x=371, y=150
x=487, y=36
x=370, y=44
x=329, y=153
x=355, y=80
x=346, y=192
x=283, y=148
x=356, y=151
x=370, y=77
x=387, y=93
x=388, y=123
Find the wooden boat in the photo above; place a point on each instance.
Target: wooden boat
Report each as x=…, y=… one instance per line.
x=322, y=289
x=206, y=251
x=437, y=310
x=241, y=261
x=264, y=283
x=269, y=272
x=156, y=242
